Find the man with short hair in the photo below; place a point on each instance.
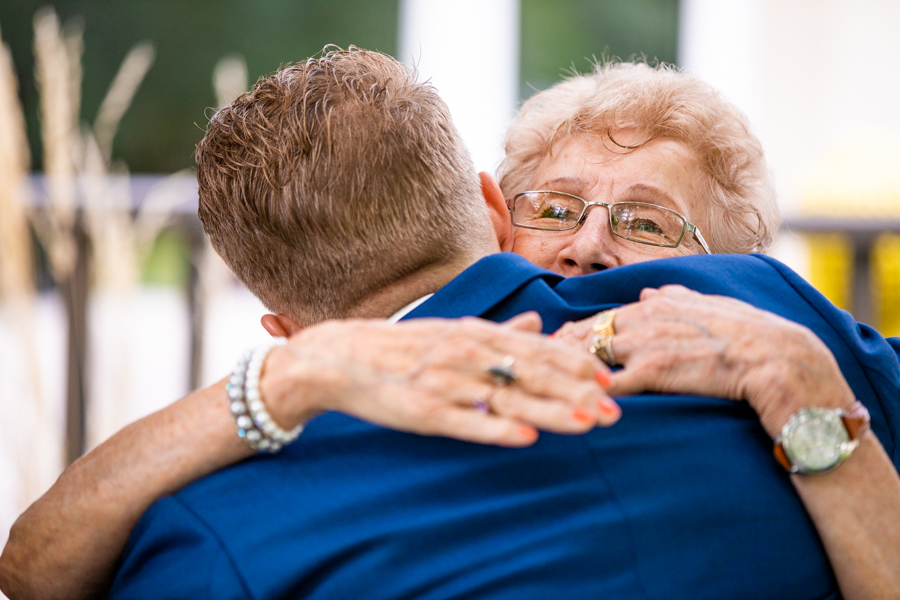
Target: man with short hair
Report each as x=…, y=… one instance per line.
x=388, y=189
x=348, y=154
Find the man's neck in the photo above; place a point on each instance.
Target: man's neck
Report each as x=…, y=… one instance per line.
x=387, y=301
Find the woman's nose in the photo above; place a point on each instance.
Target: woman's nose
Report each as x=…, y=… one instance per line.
x=592, y=247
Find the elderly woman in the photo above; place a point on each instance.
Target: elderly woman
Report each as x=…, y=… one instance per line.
x=626, y=165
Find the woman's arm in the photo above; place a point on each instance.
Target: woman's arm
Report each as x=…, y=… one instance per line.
x=67, y=543
x=419, y=376
x=680, y=341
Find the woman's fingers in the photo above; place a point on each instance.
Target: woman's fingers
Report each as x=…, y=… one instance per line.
x=527, y=321
x=576, y=334
x=507, y=418
x=555, y=388
x=548, y=399
x=573, y=393
x=663, y=335
x=678, y=340
x=462, y=423
x=691, y=365
x=525, y=347
x=558, y=416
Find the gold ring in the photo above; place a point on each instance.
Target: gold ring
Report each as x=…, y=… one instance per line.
x=601, y=341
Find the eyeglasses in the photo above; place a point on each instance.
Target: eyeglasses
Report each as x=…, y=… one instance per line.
x=634, y=221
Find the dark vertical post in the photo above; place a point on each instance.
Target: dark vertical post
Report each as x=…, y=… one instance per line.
x=196, y=300
x=74, y=292
x=863, y=305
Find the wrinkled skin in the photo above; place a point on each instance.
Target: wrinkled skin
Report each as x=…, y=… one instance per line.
x=422, y=375
x=677, y=340
x=662, y=172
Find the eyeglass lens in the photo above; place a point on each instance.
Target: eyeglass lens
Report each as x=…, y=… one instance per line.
x=643, y=223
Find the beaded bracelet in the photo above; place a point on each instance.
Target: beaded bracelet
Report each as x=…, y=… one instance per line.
x=254, y=424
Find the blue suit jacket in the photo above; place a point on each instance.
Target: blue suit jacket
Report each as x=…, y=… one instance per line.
x=681, y=499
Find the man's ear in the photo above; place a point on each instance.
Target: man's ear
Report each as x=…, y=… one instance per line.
x=498, y=210
x=280, y=325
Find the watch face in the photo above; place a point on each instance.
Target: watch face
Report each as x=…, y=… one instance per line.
x=815, y=439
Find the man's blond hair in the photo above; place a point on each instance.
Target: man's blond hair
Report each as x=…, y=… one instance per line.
x=738, y=206
x=335, y=178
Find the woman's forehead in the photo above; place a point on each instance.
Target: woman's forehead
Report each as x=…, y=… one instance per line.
x=662, y=171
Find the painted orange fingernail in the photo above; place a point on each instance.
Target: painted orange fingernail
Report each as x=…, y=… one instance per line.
x=603, y=378
x=552, y=335
x=528, y=432
x=608, y=407
x=579, y=414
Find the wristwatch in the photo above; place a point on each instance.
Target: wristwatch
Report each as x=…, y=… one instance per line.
x=818, y=440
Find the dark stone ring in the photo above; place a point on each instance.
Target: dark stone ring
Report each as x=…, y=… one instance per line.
x=503, y=373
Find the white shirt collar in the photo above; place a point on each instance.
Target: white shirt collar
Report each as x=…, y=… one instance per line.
x=408, y=308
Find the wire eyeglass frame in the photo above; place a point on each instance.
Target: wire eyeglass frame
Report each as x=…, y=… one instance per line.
x=687, y=227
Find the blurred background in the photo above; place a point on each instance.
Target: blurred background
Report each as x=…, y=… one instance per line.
x=112, y=304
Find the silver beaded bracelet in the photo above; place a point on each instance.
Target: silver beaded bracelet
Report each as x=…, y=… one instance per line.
x=254, y=424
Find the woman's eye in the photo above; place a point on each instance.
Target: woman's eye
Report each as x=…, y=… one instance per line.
x=554, y=211
x=646, y=225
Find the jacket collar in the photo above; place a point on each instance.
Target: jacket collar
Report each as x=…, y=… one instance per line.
x=482, y=286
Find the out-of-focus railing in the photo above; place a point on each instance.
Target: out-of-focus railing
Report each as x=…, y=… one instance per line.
x=869, y=284
x=172, y=202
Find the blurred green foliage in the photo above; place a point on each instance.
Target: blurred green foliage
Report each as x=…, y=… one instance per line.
x=559, y=35
x=169, y=261
x=166, y=120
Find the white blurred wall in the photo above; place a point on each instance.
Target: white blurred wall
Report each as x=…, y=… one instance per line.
x=469, y=49
x=815, y=77
x=138, y=363
x=31, y=432
x=140, y=354
x=232, y=327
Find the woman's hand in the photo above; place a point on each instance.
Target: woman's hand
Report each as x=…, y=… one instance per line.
x=426, y=375
x=676, y=340
x=680, y=341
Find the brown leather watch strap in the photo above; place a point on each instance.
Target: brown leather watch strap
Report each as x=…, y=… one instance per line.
x=856, y=419
x=781, y=457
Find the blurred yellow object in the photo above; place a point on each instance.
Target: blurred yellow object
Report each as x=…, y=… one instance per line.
x=831, y=266
x=855, y=177
x=885, y=277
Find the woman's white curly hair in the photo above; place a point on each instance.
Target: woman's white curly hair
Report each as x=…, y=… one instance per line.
x=740, y=211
